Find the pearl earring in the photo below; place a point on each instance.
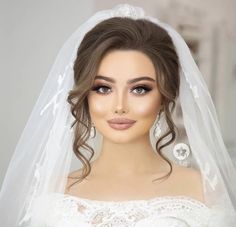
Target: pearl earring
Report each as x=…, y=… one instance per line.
x=92, y=131
x=157, y=129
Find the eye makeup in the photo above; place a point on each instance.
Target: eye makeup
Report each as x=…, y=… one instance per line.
x=97, y=88
x=146, y=88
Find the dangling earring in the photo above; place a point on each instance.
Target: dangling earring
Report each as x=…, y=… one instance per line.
x=157, y=129
x=92, y=131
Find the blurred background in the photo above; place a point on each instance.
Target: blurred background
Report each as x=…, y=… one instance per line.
x=32, y=32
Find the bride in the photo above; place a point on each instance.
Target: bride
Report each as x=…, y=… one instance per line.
x=111, y=98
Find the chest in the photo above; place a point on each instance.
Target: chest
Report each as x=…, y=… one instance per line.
x=123, y=189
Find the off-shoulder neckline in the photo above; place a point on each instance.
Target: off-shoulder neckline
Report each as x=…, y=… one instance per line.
x=183, y=198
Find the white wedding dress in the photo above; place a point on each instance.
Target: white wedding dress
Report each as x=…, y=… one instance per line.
x=63, y=210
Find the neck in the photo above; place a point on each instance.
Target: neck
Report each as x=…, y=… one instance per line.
x=127, y=159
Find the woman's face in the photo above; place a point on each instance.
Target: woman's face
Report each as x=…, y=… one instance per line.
x=113, y=96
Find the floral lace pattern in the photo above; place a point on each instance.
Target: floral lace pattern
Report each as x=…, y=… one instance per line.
x=173, y=211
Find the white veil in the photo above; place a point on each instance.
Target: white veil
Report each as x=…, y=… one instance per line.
x=43, y=156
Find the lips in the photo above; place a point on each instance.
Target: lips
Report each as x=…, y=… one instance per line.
x=121, y=123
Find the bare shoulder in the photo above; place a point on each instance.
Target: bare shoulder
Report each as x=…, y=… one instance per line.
x=189, y=181
x=75, y=173
x=72, y=178
x=188, y=172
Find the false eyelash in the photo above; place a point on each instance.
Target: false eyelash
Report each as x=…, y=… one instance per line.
x=96, y=88
x=145, y=87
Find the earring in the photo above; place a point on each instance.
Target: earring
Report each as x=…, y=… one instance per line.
x=92, y=131
x=157, y=129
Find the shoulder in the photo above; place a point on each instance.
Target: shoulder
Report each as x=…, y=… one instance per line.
x=189, y=172
x=72, y=178
x=189, y=181
x=75, y=173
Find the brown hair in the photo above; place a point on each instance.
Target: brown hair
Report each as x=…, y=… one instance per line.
x=122, y=34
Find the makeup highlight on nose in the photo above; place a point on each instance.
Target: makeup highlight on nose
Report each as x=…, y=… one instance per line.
x=111, y=80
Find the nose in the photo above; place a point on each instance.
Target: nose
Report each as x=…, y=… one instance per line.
x=120, y=103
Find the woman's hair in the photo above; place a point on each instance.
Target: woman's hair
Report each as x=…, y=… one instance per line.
x=119, y=33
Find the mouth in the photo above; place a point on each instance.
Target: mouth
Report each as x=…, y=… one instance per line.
x=121, y=123
x=121, y=126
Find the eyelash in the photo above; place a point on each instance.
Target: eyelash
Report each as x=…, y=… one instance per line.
x=144, y=87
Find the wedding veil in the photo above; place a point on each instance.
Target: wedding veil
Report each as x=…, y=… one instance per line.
x=43, y=156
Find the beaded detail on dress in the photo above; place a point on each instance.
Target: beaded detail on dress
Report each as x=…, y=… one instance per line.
x=173, y=211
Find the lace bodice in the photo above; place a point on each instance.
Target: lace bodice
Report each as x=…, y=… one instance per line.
x=173, y=211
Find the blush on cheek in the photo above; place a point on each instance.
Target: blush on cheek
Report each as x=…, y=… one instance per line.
x=148, y=108
x=98, y=108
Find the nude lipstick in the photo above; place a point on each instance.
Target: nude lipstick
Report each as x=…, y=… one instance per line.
x=121, y=123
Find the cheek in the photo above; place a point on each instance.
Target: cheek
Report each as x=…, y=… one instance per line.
x=148, y=107
x=97, y=106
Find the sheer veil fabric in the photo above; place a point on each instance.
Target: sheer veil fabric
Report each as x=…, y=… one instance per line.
x=43, y=156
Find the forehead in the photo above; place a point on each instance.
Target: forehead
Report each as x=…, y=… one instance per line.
x=123, y=64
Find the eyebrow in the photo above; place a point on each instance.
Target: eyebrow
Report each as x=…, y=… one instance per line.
x=109, y=79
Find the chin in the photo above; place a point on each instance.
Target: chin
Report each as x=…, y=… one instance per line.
x=122, y=138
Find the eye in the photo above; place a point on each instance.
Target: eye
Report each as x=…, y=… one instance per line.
x=142, y=89
x=99, y=89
